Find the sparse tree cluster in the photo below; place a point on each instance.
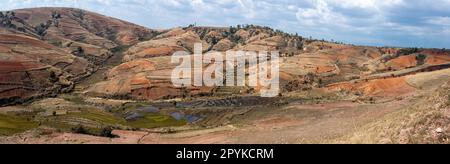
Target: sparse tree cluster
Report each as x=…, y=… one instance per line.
x=80, y=14
x=55, y=18
x=407, y=51
x=111, y=33
x=7, y=18
x=421, y=59
x=42, y=28
x=289, y=46
x=79, y=51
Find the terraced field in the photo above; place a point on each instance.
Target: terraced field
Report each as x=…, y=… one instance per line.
x=81, y=77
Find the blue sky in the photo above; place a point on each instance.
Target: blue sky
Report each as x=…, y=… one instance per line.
x=408, y=23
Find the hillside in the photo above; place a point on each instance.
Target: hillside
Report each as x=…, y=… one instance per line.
x=47, y=50
x=73, y=76
x=426, y=121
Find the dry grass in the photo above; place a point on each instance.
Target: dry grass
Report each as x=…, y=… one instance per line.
x=425, y=122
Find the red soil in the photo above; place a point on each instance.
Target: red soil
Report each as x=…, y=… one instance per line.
x=159, y=51
x=379, y=87
x=4, y=49
x=21, y=39
x=438, y=59
x=325, y=69
x=403, y=62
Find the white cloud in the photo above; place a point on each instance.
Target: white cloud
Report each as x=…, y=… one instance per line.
x=441, y=21
x=321, y=14
x=385, y=21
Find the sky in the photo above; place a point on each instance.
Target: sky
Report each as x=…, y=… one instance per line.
x=399, y=23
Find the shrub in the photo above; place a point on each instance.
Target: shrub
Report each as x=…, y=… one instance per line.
x=107, y=132
x=80, y=130
x=40, y=30
x=421, y=59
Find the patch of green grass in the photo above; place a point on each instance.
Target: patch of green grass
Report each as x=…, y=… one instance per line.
x=73, y=98
x=133, y=106
x=10, y=125
x=153, y=121
x=99, y=116
x=103, y=119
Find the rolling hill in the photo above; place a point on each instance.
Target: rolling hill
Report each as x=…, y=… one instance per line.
x=83, y=75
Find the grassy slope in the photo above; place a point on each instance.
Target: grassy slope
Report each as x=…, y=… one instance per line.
x=153, y=121
x=415, y=124
x=11, y=124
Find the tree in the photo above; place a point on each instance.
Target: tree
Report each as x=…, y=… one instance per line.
x=53, y=77
x=107, y=132
x=40, y=29
x=421, y=59
x=55, y=18
x=79, y=51
x=232, y=30
x=184, y=92
x=80, y=130
x=79, y=14
x=56, y=15
x=21, y=29
x=214, y=40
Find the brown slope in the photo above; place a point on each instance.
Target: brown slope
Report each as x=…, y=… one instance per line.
x=156, y=84
x=30, y=68
x=87, y=27
x=47, y=50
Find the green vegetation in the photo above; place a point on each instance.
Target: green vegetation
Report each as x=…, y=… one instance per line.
x=156, y=120
x=407, y=51
x=11, y=124
x=120, y=48
x=99, y=122
x=99, y=117
x=80, y=14
x=81, y=122
x=421, y=59
x=73, y=98
x=42, y=28
x=150, y=120
x=6, y=19
x=107, y=132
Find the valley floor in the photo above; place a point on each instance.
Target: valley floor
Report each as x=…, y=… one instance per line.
x=321, y=122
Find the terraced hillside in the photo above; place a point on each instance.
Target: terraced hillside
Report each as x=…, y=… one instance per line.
x=47, y=50
x=73, y=76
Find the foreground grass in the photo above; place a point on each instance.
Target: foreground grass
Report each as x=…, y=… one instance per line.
x=95, y=120
x=427, y=121
x=10, y=125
